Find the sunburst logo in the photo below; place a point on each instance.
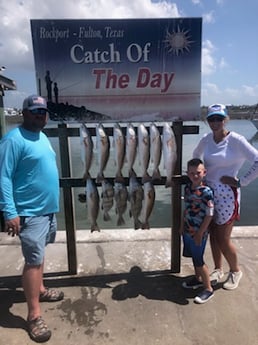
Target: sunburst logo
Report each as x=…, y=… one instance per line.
x=178, y=42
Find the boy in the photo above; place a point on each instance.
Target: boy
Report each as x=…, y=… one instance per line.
x=198, y=213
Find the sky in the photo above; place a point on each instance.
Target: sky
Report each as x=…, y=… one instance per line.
x=229, y=40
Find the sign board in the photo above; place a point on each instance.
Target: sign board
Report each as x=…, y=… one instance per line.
x=121, y=69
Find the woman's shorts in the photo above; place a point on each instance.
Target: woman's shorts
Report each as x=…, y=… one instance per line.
x=191, y=250
x=35, y=233
x=226, y=202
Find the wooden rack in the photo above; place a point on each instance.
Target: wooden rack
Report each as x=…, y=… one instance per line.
x=63, y=132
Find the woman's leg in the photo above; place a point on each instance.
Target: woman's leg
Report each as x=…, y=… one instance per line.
x=226, y=246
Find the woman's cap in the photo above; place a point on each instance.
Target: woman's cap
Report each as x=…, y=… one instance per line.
x=34, y=102
x=217, y=109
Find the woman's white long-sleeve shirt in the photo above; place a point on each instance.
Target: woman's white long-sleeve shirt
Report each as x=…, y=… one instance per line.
x=227, y=157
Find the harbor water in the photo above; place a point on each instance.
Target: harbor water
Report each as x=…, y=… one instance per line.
x=162, y=212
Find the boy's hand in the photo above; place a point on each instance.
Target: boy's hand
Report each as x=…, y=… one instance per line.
x=198, y=238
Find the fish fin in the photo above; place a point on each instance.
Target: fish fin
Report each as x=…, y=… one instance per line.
x=82, y=197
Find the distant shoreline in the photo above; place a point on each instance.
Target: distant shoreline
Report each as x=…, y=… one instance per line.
x=234, y=115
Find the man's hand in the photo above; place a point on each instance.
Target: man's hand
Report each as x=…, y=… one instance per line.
x=12, y=226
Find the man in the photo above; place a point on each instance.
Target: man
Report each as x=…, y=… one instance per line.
x=29, y=199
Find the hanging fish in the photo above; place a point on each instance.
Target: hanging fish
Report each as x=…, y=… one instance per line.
x=92, y=196
x=169, y=150
x=135, y=199
x=121, y=197
x=155, y=151
x=86, y=143
x=148, y=203
x=107, y=197
x=131, y=148
x=144, y=151
x=103, y=147
x=119, y=148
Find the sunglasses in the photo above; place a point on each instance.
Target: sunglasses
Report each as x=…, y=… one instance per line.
x=38, y=111
x=215, y=119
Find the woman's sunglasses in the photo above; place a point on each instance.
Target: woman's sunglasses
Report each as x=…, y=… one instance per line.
x=215, y=119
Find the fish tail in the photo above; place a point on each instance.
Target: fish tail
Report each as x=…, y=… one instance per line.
x=106, y=217
x=100, y=177
x=168, y=183
x=120, y=221
x=146, y=178
x=156, y=175
x=119, y=178
x=137, y=224
x=132, y=173
x=86, y=175
x=145, y=226
x=94, y=227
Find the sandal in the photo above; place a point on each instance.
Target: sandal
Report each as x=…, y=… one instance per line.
x=51, y=295
x=38, y=330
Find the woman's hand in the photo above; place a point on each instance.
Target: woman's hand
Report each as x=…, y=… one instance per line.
x=231, y=181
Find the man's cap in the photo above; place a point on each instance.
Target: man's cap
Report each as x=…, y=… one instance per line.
x=34, y=102
x=217, y=109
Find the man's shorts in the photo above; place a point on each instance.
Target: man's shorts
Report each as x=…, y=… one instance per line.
x=35, y=233
x=191, y=250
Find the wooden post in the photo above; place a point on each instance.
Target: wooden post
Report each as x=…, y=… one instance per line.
x=2, y=116
x=2, y=132
x=68, y=199
x=176, y=202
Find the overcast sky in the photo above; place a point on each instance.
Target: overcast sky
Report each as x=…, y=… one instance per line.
x=229, y=40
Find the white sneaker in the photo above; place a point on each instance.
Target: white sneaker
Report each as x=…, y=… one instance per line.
x=215, y=276
x=233, y=280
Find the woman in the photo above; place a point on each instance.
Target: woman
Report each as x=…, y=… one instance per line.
x=224, y=153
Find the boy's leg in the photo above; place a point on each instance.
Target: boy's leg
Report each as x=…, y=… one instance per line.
x=200, y=267
x=204, y=273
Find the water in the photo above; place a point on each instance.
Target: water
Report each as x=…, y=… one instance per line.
x=162, y=212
